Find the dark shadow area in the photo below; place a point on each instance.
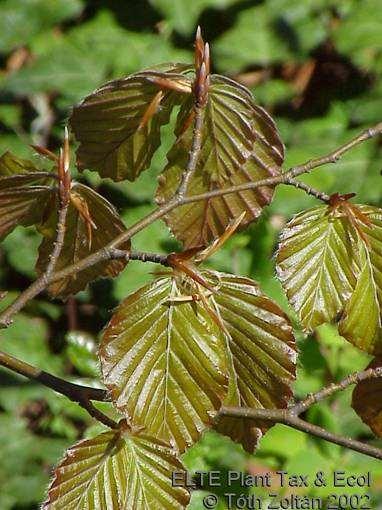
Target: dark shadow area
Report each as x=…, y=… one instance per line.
x=137, y=15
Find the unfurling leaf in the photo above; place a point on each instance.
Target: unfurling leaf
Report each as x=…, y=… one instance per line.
x=164, y=361
x=91, y=223
x=367, y=400
x=240, y=144
x=117, y=470
x=118, y=125
x=24, y=193
x=262, y=352
x=329, y=262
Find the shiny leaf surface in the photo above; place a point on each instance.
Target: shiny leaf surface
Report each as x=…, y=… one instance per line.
x=262, y=349
x=117, y=471
x=367, y=400
x=12, y=165
x=24, y=193
x=118, y=125
x=330, y=265
x=164, y=361
x=240, y=144
x=92, y=222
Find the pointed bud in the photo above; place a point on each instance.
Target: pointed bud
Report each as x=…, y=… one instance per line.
x=199, y=48
x=60, y=166
x=66, y=151
x=206, y=58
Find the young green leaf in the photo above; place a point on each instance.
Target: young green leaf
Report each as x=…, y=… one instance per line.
x=91, y=223
x=12, y=165
x=367, y=400
x=118, y=125
x=262, y=351
x=329, y=262
x=116, y=470
x=240, y=144
x=164, y=361
x=24, y=193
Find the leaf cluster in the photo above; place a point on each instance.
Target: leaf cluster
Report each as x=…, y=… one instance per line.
x=170, y=360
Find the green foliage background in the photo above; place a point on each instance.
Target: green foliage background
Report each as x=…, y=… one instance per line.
x=316, y=67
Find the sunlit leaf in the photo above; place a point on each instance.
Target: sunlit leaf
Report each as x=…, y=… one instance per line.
x=263, y=353
x=13, y=165
x=92, y=222
x=240, y=144
x=367, y=400
x=164, y=362
x=330, y=265
x=118, y=126
x=116, y=470
x=24, y=193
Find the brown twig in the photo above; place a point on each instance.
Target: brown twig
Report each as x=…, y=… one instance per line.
x=200, y=90
x=83, y=395
x=64, y=198
x=142, y=256
x=285, y=417
x=355, y=378
x=194, y=152
x=290, y=416
x=106, y=253
x=308, y=189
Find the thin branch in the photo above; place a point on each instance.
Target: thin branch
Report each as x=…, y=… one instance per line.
x=200, y=90
x=143, y=256
x=82, y=395
x=106, y=253
x=290, y=416
x=62, y=213
x=355, y=378
x=308, y=189
x=194, y=152
x=156, y=258
x=285, y=417
x=335, y=156
x=64, y=199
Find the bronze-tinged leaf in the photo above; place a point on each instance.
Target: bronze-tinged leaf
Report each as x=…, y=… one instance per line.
x=118, y=125
x=262, y=351
x=12, y=165
x=330, y=265
x=367, y=400
x=164, y=361
x=240, y=144
x=83, y=235
x=117, y=471
x=24, y=193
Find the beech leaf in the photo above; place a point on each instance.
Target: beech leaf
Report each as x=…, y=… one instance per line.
x=262, y=351
x=240, y=144
x=164, y=361
x=329, y=262
x=91, y=223
x=12, y=165
x=117, y=470
x=118, y=125
x=367, y=400
x=24, y=193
